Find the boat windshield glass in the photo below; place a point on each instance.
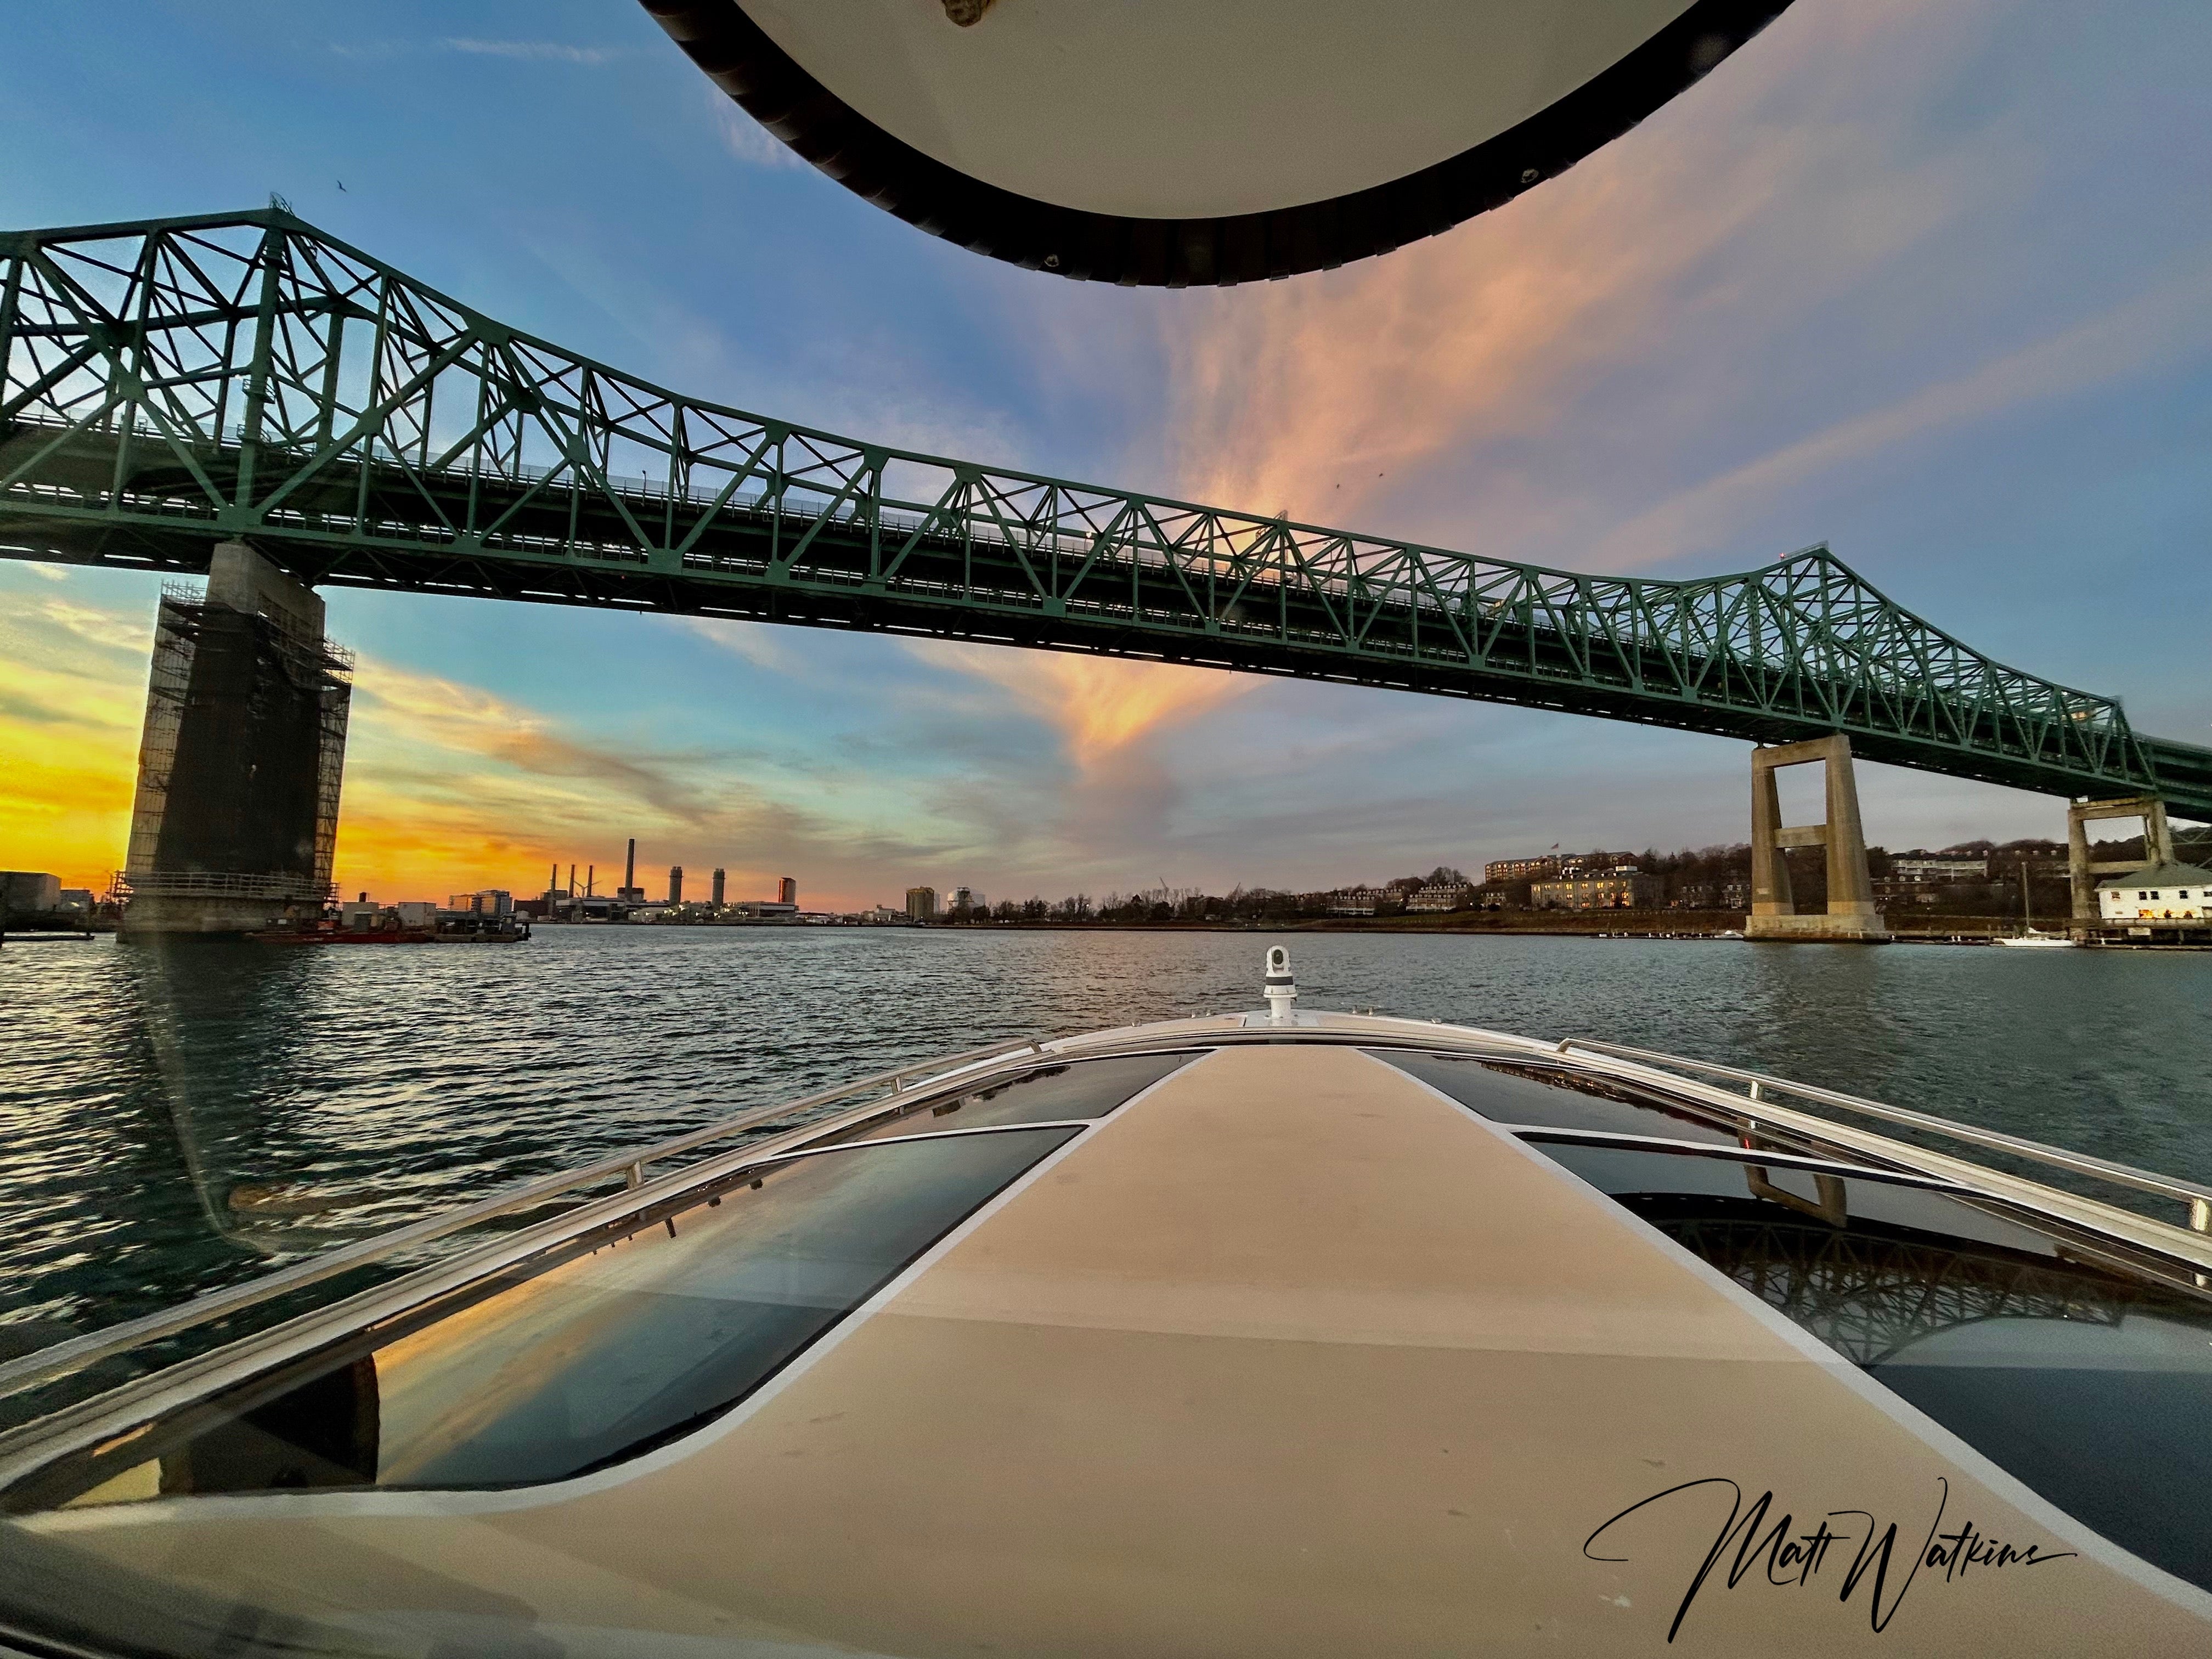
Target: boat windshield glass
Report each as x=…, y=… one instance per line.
x=1050, y=1093
x=1556, y=1101
x=614, y=1346
x=2092, y=1387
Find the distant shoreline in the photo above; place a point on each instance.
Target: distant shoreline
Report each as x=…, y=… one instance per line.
x=1644, y=924
x=1677, y=924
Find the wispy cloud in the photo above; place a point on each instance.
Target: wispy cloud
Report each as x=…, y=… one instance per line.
x=538, y=50
x=115, y=630
x=1436, y=383
x=2163, y=327
x=1099, y=705
x=758, y=643
x=745, y=138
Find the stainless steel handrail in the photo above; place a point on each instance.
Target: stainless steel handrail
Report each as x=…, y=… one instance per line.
x=1617, y=1140
x=75, y=1354
x=2197, y=1195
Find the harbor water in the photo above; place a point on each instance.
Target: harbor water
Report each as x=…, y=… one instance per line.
x=176, y=1118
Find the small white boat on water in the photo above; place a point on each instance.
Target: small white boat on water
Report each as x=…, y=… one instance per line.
x=2028, y=939
x=1267, y=1333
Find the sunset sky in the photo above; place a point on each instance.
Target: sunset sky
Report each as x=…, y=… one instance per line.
x=1924, y=279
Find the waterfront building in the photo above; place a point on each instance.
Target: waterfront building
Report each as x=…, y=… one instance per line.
x=786, y=892
x=720, y=880
x=2157, y=893
x=1358, y=901
x=765, y=910
x=28, y=892
x=921, y=903
x=1730, y=893
x=1920, y=877
x=1442, y=896
x=485, y=901
x=676, y=883
x=1500, y=872
x=1615, y=890
x=1948, y=867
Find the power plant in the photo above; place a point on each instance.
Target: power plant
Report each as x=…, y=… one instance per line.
x=567, y=903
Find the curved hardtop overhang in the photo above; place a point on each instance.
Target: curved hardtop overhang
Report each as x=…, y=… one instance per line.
x=1182, y=142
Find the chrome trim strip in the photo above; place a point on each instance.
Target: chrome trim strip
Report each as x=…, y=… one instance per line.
x=928, y=1134
x=2129, y=1228
x=2124, y=1174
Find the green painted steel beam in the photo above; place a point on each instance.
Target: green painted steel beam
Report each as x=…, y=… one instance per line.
x=169, y=384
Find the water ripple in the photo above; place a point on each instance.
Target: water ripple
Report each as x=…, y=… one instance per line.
x=172, y=1120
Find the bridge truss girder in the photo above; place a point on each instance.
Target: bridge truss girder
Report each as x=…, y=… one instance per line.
x=169, y=384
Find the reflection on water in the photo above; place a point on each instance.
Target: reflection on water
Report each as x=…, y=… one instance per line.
x=174, y=1118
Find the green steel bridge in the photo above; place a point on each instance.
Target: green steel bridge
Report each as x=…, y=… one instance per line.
x=169, y=384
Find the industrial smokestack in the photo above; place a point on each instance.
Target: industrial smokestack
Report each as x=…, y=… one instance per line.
x=629, y=866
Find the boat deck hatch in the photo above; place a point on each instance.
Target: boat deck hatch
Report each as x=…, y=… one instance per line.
x=583, y=1362
x=1080, y=1089
x=1519, y=1095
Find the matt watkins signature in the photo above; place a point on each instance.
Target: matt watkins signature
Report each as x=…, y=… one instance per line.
x=1847, y=1544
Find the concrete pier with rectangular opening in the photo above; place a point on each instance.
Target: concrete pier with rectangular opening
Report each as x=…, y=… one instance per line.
x=2082, y=872
x=236, y=820
x=1851, y=915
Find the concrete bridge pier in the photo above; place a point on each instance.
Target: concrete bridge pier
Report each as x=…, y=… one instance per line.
x=2158, y=846
x=1850, y=914
x=239, y=766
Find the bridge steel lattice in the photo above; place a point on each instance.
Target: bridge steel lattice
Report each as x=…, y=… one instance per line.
x=1872, y=1293
x=169, y=384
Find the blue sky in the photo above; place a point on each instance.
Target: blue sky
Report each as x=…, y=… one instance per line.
x=1923, y=281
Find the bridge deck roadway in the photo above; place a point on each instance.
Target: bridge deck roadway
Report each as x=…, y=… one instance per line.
x=383, y=526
